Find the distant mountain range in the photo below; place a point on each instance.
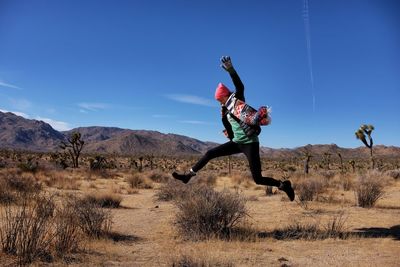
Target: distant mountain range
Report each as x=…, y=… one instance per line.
x=24, y=134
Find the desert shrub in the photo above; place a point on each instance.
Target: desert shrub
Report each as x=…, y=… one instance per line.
x=93, y=220
x=172, y=190
x=158, y=176
x=6, y=194
x=29, y=166
x=369, y=189
x=206, y=179
x=104, y=200
x=346, y=182
x=3, y=164
x=334, y=228
x=67, y=232
x=241, y=178
x=60, y=180
x=138, y=181
x=298, y=231
x=190, y=261
x=27, y=230
x=98, y=163
x=307, y=190
x=206, y=213
x=395, y=174
x=327, y=174
x=23, y=183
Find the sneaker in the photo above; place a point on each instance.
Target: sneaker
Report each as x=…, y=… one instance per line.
x=182, y=177
x=286, y=186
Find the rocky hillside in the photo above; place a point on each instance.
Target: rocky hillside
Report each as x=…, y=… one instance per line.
x=19, y=133
x=124, y=141
x=23, y=134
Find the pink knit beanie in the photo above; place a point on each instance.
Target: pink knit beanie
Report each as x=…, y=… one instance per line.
x=221, y=91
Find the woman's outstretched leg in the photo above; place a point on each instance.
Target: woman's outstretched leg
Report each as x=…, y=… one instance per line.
x=252, y=152
x=226, y=149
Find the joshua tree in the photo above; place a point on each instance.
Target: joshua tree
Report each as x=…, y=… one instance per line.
x=362, y=133
x=341, y=161
x=98, y=162
x=327, y=160
x=141, y=163
x=353, y=165
x=307, y=156
x=73, y=147
x=150, y=158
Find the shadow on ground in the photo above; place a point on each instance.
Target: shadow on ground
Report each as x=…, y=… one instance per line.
x=313, y=233
x=118, y=237
x=380, y=232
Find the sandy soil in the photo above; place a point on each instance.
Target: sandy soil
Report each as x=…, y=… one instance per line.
x=153, y=240
x=148, y=236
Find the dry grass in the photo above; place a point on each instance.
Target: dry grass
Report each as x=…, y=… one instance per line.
x=308, y=190
x=275, y=233
x=139, y=181
x=172, y=190
x=208, y=179
x=395, y=174
x=104, y=200
x=205, y=213
x=242, y=179
x=192, y=261
x=158, y=176
x=59, y=180
x=93, y=220
x=38, y=229
x=369, y=189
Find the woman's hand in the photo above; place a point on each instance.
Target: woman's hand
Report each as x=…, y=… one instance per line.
x=225, y=132
x=226, y=63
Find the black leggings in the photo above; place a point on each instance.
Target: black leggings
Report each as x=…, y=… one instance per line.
x=252, y=152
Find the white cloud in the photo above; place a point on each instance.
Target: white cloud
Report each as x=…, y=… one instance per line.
x=92, y=106
x=26, y=116
x=192, y=99
x=58, y=125
x=195, y=122
x=4, y=84
x=21, y=104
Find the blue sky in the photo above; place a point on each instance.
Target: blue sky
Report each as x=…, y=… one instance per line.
x=155, y=65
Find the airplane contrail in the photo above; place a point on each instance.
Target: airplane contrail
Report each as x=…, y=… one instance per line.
x=306, y=19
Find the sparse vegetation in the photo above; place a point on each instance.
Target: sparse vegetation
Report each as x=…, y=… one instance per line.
x=172, y=190
x=139, y=181
x=80, y=226
x=206, y=213
x=93, y=220
x=369, y=189
x=190, y=261
x=73, y=147
x=28, y=230
x=308, y=190
x=104, y=200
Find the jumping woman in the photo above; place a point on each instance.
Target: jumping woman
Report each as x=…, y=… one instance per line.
x=238, y=142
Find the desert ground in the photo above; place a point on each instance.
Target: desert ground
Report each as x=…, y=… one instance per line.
x=324, y=226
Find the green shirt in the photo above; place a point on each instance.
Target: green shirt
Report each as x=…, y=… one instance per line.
x=238, y=134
